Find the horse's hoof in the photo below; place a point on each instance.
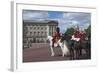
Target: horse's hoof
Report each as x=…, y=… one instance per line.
x=52, y=55
x=62, y=55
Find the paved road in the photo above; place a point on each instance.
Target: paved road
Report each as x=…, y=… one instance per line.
x=41, y=52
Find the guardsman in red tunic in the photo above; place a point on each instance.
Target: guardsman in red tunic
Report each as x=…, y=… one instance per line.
x=56, y=35
x=79, y=35
x=76, y=35
x=82, y=35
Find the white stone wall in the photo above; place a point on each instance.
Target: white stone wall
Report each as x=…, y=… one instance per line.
x=37, y=33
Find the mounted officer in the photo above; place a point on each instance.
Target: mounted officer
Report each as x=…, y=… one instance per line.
x=56, y=35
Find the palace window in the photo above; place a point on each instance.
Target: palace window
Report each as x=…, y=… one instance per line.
x=45, y=28
x=38, y=28
x=34, y=27
x=41, y=28
x=34, y=32
x=30, y=27
x=38, y=33
x=30, y=33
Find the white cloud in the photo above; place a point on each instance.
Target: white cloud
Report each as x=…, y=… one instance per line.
x=31, y=15
x=74, y=22
x=76, y=16
x=67, y=16
x=69, y=19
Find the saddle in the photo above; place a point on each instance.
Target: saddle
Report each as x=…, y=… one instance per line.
x=55, y=42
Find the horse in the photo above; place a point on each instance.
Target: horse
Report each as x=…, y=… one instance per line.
x=61, y=43
x=77, y=46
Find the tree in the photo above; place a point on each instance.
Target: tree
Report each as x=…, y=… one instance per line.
x=88, y=31
x=69, y=31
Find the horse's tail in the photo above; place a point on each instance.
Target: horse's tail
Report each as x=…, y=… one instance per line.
x=50, y=40
x=65, y=48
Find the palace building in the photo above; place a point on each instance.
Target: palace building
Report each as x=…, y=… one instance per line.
x=37, y=31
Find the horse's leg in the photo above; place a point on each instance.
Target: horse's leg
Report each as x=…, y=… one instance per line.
x=63, y=53
x=62, y=49
x=77, y=53
x=52, y=51
x=72, y=53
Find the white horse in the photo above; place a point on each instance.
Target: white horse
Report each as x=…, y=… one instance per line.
x=63, y=46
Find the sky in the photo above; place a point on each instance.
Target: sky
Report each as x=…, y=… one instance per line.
x=65, y=19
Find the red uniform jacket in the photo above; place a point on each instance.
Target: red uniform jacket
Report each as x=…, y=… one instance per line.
x=83, y=36
x=77, y=34
x=80, y=35
x=56, y=36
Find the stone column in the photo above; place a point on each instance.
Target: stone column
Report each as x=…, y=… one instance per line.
x=52, y=30
x=47, y=30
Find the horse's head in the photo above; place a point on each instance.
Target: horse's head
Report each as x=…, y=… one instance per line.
x=65, y=37
x=62, y=39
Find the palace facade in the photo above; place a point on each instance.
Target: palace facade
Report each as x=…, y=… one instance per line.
x=37, y=31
